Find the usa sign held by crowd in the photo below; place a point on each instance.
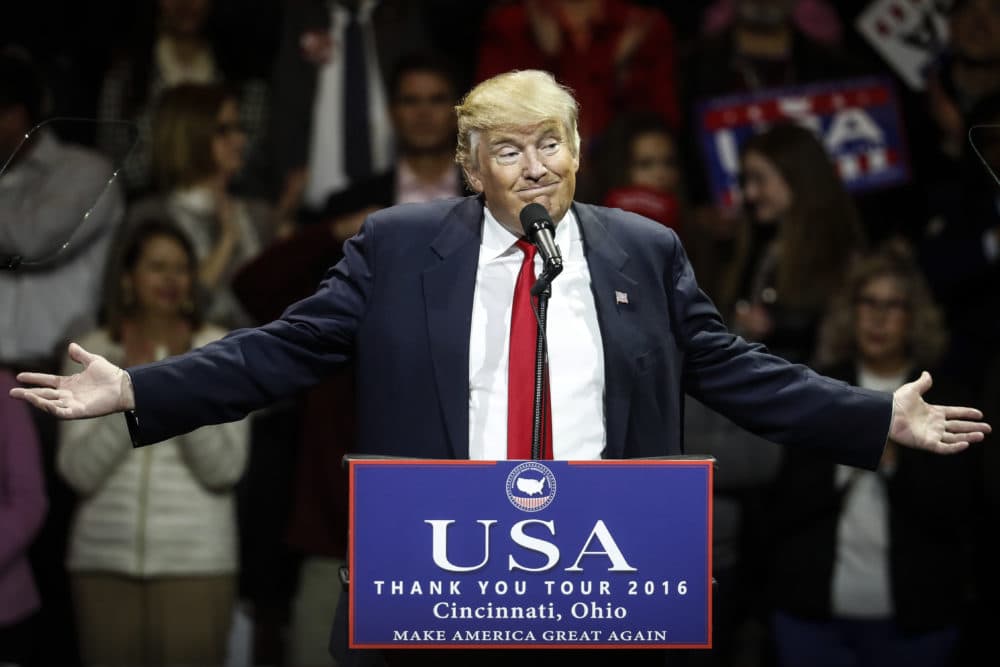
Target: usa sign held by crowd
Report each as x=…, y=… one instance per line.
x=858, y=120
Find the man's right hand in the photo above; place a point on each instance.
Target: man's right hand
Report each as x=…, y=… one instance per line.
x=101, y=388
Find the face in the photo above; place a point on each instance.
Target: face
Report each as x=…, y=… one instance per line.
x=422, y=113
x=183, y=17
x=162, y=277
x=654, y=162
x=765, y=191
x=763, y=14
x=882, y=324
x=975, y=30
x=525, y=165
x=230, y=140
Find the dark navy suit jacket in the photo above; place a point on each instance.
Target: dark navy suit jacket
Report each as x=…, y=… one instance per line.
x=400, y=305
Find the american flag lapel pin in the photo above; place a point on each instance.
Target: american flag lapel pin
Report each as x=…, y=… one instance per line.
x=621, y=297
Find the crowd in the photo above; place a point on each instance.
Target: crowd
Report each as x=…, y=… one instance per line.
x=251, y=139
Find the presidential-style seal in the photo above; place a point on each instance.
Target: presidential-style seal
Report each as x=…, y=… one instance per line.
x=531, y=486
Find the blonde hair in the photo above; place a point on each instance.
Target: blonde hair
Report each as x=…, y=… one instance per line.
x=184, y=125
x=514, y=99
x=928, y=339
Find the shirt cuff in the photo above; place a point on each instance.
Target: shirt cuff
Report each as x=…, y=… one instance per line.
x=132, y=418
x=132, y=422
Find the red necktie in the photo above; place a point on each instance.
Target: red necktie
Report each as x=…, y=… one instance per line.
x=521, y=367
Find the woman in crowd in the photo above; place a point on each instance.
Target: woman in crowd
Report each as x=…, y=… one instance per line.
x=198, y=148
x=802, y=230
x=174, y=43
x=22, y=509
x=153, y=549
x=871, y=567
x=640, y=168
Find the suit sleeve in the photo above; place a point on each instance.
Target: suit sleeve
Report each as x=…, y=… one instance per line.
x=251, y=368
x=785, y=403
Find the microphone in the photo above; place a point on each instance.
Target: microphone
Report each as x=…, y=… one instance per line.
x=538, y=227
x=540, y=230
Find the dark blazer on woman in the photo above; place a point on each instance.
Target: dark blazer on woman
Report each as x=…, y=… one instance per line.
x=930, y=506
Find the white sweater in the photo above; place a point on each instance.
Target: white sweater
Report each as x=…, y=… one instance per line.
x=162, y=510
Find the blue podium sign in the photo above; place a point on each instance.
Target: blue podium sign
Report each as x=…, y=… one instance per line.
x=530, y=554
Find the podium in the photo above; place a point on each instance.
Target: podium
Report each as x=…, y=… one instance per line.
x=530, y=554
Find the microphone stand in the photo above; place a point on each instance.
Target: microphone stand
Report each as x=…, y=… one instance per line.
x=543, y=290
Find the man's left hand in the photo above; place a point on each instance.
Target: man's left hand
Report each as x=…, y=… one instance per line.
x=943, y=429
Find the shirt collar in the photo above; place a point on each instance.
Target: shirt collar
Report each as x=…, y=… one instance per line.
x=498, y=240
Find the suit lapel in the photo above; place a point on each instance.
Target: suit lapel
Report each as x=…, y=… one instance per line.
x=449, y=287
x=618, y=320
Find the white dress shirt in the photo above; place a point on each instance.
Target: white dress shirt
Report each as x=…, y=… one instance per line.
x=862, y=586
x=327, y=172
x=576, y=354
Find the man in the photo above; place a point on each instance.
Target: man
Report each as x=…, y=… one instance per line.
x=422, y=302
x=51, y=193
x=330, y=126
x=423, y=92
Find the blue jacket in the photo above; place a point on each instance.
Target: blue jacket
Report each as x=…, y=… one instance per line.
x=400, y=305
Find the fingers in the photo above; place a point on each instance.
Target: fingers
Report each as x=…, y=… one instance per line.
x=955, y=412
x=956, y=438
x=951, y=448
x=923, y=383
x=80, y=355
x=40, y=379
x=34, y=399
x=47, y=394
x=967, y=427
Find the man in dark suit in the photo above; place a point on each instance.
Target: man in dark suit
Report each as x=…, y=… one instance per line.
x=422, y=304
x=320, y=108
x=423, y=91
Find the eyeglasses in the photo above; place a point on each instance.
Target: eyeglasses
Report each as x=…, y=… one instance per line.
x=889, y=306
x=232, y=127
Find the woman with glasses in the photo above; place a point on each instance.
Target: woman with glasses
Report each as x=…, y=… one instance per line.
x=871, y=567
x=198, y=148
x=172, y=43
